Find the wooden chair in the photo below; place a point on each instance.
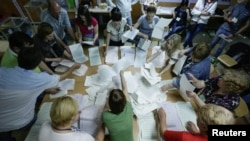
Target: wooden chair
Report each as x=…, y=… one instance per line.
x=242, y=109
x=227, y=60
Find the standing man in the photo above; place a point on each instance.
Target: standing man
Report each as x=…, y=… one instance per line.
x=59, y=19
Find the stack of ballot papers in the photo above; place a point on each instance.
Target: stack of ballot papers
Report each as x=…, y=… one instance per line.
x=112, y=55
x=129, y=34
x=150, y=74
x=77, y=53
x=178, y=114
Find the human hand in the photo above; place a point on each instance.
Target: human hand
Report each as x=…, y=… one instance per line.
x=53, y=90
x=145, y=37
x=191, y=94
x=197, y=83
x=190, y=126
x=76, y=65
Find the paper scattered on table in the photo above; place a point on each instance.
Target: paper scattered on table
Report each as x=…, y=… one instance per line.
x=159, y=61
x=140, y=57
x=61, y=69
x=77, y=53
x=185, y=86
x=150, y=75
x=122, y=64
x=130, y=81
x=129, y=53
x=179, y=64
x=112, y=55
x=160, y=27
x=129, y=34
x=81, y=71
x=67, y=84
x=144, y=44
x=94, y=56
x=59, y=94
x=66, y=62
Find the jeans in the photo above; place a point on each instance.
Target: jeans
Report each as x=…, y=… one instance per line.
x=217, y=39
x=175, y=29
x=193, y=30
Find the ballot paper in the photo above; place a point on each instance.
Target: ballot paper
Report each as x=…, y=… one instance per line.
x=144, y=44
x=140, y=57
x=67, y=63
x=185, y=86
x=112, y=55
x=61, y=69
x=77, y=53
x=181, y=113
x=94, y=56
x=150, y=75
x=67, y=84
x=130, y=81
x=159, y=61
x=179, y=64
x=129, y=53
x=81, y=71
x=160, y=27
x=129, y=34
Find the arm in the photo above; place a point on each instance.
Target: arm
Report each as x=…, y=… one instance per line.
x=142, y=9
x=58, y=59
x=44, y=67
x=96, y=28
x=196, y=98
x=69, y=71
x=78, y=34
x=166, y=68
x=124, y=86
x=163, y=121
x=153, y=56
x=61, y=43
x=100, y=134
x=71, y=33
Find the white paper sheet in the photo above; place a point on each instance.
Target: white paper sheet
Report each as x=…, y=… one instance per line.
x=150, y=75
x=94, y=56
x=92, y=91
x=129, y=53
x=159, y=61
x=112, y=55
x=144, y=45
x=122, y=64
x=186, y=113
x=117, y=82
x=147, y=128
x=140, y=58
x=179, y=64
x=172, y=116
x=129, y=34
x=130, y=82
x=83, y=100
x=67, y=84
x=185, y=85
x=159, y=28
x=61, y=69
x=81, y=71
x=77, y=53
x=67, y=63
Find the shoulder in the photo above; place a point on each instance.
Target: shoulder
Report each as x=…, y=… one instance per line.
x=94, y=21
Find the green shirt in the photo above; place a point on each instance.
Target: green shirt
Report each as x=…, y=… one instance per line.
x=120, y=126
x=9, y=60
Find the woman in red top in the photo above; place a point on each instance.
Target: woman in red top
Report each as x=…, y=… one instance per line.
x=86, y=26
x=209, y=114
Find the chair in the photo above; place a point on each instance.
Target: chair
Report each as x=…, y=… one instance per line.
x=242, y=109
x=227, y=60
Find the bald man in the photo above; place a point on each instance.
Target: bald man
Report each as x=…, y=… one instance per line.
x=59, y=19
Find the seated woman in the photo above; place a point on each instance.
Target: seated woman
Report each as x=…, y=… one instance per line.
x=172, y=48
x=115, y=28
x=64, y=113
x=119, y=118
x=222, y=90
x=181, y=16
x=86, y=26
x=146, y=23
x=44, y=40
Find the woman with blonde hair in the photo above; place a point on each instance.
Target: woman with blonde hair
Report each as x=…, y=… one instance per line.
x=172, y=48
x=222, y=90
x=64, y=113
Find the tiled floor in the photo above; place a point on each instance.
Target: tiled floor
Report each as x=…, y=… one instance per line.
x=201, y=37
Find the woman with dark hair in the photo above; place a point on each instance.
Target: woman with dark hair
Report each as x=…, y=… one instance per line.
x=119, y=118
x=181, y=16
x=44, y=40
x=115, y=28
x=86, y=26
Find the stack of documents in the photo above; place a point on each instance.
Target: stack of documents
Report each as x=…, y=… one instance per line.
x=129, y=34
x=77, y=53
x=150, y=74
x=160, y=27
x=185, y=86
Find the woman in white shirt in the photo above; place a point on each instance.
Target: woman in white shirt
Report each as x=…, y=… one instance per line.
x=64, y=113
